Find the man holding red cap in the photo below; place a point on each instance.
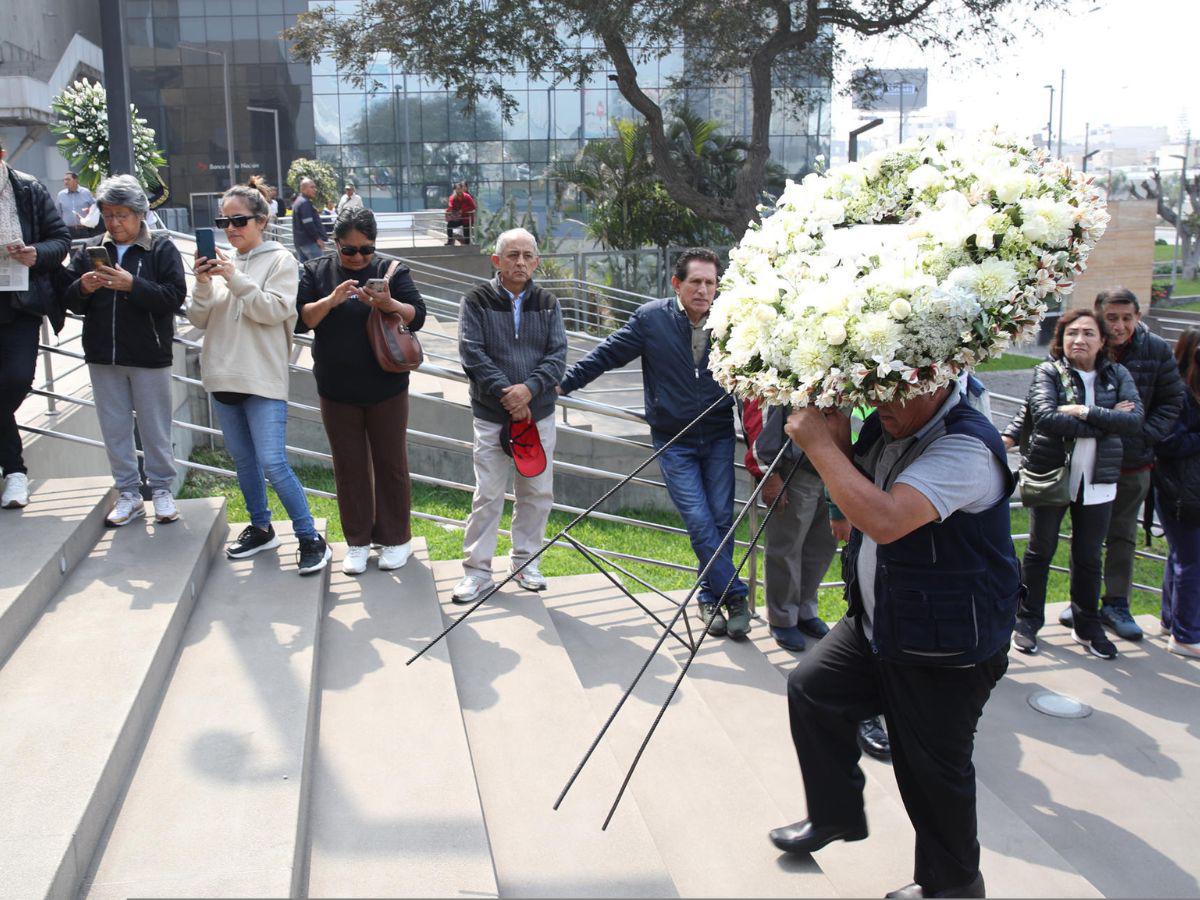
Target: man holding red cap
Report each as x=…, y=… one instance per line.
x=514, y=350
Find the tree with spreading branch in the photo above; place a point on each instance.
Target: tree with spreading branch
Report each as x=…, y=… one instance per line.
x=1189, y=226
x=788, y=48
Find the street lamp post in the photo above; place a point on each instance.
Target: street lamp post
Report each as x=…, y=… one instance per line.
x=1050, y=119
x=1187, y=149
x=1062, y=92
x=278, y=156
x=228, y=104
x=852, y=147
x=1088, y=154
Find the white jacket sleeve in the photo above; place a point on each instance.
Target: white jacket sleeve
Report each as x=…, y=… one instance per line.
x=274, y=301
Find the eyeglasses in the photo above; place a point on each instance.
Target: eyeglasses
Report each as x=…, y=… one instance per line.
x=365, y=250
x=235, y=221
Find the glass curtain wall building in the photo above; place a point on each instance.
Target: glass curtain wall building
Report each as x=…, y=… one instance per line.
x=404, y=142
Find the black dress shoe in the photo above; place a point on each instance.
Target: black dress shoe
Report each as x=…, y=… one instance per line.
x=915, y=892
x=804, y=837
x=873, y=740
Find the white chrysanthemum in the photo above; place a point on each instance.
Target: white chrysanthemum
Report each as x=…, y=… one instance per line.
x=876, y=336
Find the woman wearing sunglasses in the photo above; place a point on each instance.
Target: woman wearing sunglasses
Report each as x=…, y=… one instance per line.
x=247, y=306
x=364, y=408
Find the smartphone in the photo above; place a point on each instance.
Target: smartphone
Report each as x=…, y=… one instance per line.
x=377, y=284
x=206, y=243
x=98, y=256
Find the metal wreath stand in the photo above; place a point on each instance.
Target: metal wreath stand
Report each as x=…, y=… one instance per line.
x=692, y=643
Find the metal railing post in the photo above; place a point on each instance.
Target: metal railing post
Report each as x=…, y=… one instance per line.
x=752, y=525
x=48, y=369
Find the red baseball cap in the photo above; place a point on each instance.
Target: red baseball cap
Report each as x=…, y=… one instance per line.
x=521, y=441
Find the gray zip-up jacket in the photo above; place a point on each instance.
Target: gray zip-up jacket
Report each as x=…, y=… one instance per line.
x=495, y=355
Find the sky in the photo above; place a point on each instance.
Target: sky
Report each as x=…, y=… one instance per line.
x=1127, y=62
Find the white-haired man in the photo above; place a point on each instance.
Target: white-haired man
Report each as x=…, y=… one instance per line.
x=514, y=351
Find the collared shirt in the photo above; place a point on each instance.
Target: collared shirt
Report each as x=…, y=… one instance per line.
x=73, y=205
x=699, y=332
x=517, y=300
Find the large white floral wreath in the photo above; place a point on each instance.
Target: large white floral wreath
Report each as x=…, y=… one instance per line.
x=955, y=248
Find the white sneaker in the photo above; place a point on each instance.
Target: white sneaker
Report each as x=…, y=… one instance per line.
x=530, y=578
x=164, y=506
x=395, y=556
x=1182, y=649
x=470, y=588
x=16, y=491
x=355, y=561
x=127, y=508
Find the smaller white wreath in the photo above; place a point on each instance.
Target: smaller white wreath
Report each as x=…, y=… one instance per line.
x=880, y=280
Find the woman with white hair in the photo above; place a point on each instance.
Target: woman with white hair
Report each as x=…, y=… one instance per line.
x=129, y=285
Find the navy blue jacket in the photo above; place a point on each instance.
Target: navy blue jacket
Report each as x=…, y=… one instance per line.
x=307, y=227
x=676, y=390
x=946, y=594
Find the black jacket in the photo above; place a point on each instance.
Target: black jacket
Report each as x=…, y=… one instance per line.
x=43, y=229
x=133, y=329
x=1177, y=466
x=1151, y=362
x=676, y=390
x=1049, y=429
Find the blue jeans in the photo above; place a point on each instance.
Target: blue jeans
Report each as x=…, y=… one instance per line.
x=1181, y=578
x=700, y=481
x=255, y=434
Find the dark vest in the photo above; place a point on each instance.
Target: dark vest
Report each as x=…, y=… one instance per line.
x=947, y=593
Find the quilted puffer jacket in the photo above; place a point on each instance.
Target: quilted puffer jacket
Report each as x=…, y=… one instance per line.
x=1043, y=439
x=1152, y=364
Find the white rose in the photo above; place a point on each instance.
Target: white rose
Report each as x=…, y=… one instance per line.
x=834, y=330
x=924, y=178
x=900, y=309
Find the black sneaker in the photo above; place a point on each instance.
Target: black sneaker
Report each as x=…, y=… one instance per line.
x=314, y=554
x=711, y=615
x=1025, y=638
x=1119, y=619
x=739, y=618
x=1097, y=643
x=252, y=540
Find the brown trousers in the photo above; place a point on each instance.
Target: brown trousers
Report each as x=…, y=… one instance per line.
x=370, y=468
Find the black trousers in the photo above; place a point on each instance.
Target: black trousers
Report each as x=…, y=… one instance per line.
x=1089, y=525
x=18, y=361
x=931, y=714
x=451, y=224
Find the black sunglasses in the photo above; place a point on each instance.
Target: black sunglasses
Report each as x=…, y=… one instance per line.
x=235, y=221
x=365, y=250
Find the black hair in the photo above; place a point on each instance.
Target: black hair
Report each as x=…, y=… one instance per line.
x=698, y=253
x=1117, y=295
x=356, y=218
x=74, y=175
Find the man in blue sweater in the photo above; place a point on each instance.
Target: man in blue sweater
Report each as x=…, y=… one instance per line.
x=672, y=339
x=308, y=231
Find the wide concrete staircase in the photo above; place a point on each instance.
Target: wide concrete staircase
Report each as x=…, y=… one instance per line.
x=176, y=724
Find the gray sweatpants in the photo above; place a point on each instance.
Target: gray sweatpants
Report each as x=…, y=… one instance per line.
x=799, y=548
x=119, y=392
x=531, y=511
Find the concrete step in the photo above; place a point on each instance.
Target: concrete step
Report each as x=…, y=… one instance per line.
x=217, y=802
x=395, y=809
x=528, y=724
x=1015, y=860
x=42, y=545
x=79, y=692
x=709, y=821
x=1115, y=793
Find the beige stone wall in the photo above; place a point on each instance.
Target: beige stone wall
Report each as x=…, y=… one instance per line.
x=1124, y=257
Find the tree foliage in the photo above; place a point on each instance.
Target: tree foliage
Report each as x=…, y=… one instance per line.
x=320, y=172
x=786, y=47
x=1188, y=226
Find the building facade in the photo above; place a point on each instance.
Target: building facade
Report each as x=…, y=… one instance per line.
x=404, y=141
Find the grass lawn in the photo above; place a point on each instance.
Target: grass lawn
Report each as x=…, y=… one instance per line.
x=1193, y=307
x=1163, y=252
x=1007, y=363
x=445, y=542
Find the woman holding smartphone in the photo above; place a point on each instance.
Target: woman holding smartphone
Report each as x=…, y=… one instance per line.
x=363, y=407
x=247, y=306
x=129, y=285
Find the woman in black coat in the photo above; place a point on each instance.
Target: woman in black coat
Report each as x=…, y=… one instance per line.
x=1079, y=403
x=1177, y=500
